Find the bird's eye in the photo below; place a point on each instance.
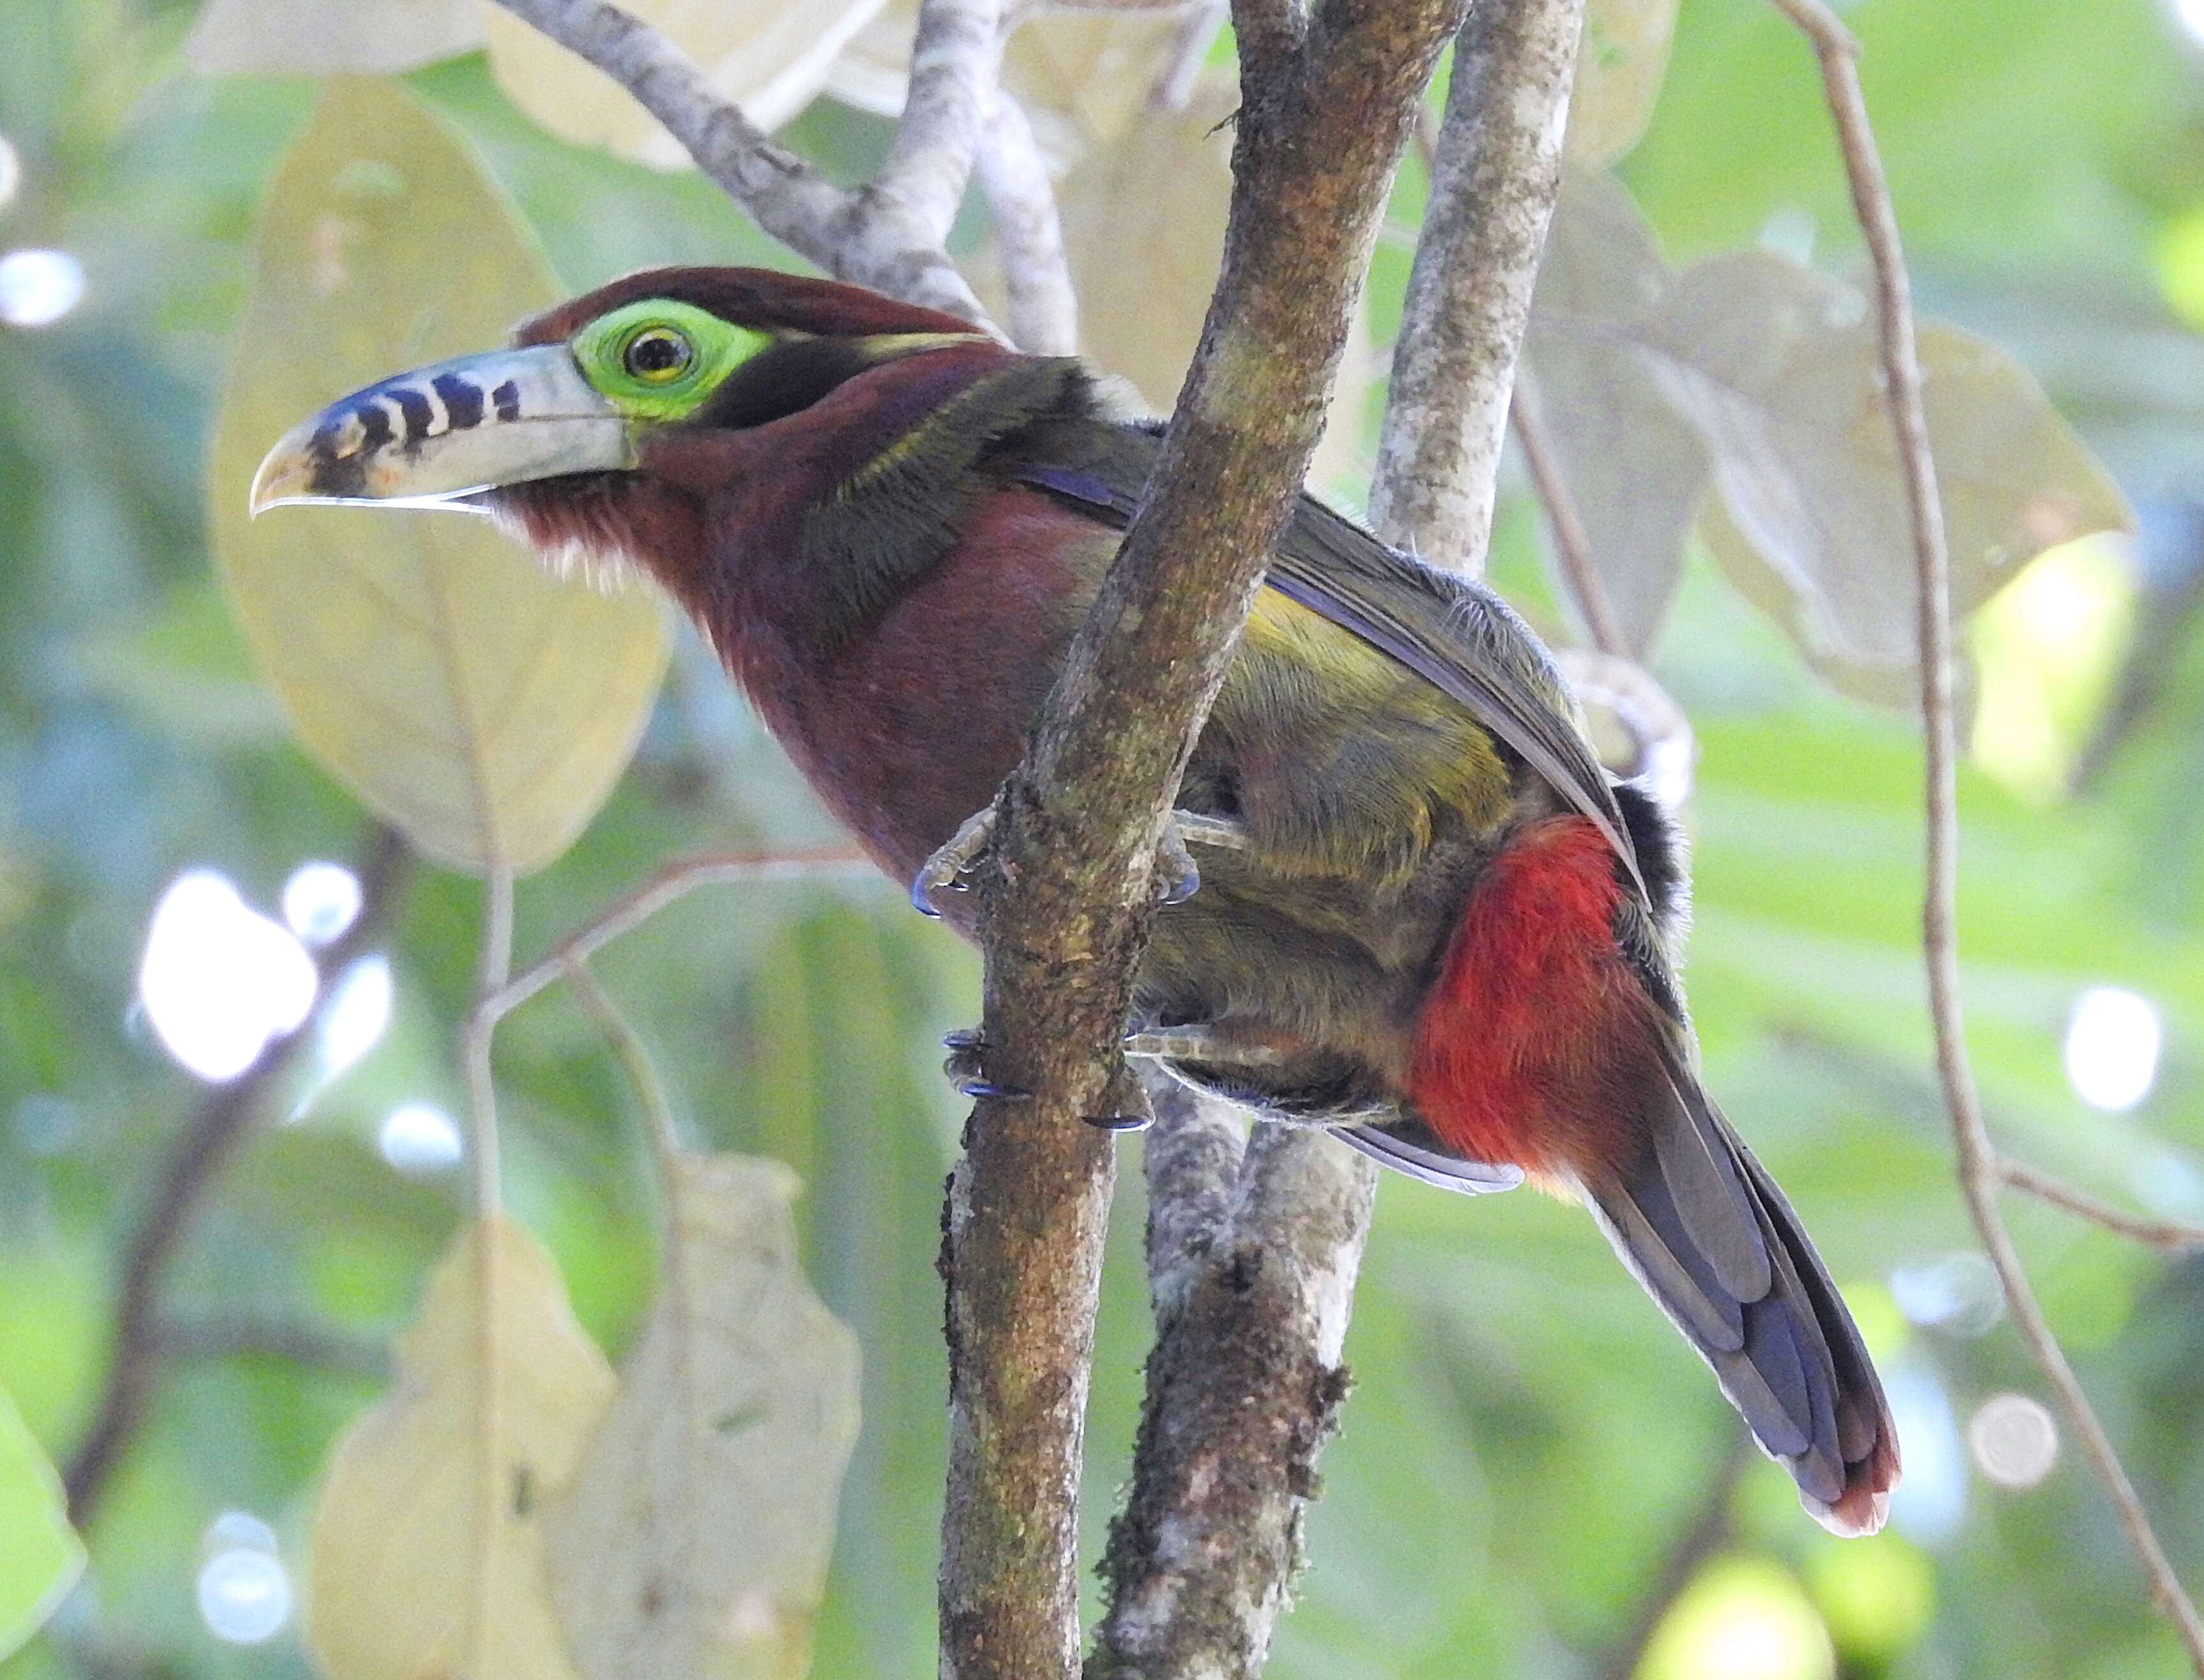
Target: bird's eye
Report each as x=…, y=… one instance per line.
x=658, y=355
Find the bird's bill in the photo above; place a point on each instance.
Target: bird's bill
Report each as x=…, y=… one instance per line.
x=430, y=437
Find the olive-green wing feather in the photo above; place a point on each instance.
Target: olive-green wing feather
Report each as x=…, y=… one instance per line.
x=1455, y=634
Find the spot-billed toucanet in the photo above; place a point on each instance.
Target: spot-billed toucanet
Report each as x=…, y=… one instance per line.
x=1423, y=914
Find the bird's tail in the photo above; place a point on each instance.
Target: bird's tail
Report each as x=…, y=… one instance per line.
x=1544, y=1045
x=1704, y=1227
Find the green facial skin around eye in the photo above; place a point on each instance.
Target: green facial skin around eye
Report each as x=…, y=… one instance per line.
x=658, y=359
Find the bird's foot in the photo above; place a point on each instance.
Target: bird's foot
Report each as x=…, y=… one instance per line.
x=945, y=870
x=1177, y=875
x=966, y=1066
x=1218, y=1046
x=1125, y=1104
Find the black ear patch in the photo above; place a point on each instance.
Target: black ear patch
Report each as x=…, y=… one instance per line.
x=1663, y=859
x=781, y=380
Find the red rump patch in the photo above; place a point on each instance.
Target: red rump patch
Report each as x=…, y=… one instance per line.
x=1527, y=1048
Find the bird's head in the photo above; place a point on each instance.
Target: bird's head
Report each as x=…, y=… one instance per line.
x=600, y=399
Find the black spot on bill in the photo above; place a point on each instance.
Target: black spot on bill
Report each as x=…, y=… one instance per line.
x=462, y=401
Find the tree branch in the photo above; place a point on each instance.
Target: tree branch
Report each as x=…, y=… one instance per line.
x=200, y=1153
x=1496, y=170
x=1028, y=235
x=1979, y=1176
x=953, y=64
x=1252, y=1308
x=874, y=239
x=1065, y=909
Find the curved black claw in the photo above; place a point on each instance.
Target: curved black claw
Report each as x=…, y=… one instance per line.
x=1119, y=1122
x=1187, y=884
x=922, y=888
x=1009, y=1093
x=964, y=1038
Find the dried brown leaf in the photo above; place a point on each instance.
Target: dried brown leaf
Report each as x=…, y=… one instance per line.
x=694, y=1541
x=483, y=707
x=1779, y=370
x=1635, y=472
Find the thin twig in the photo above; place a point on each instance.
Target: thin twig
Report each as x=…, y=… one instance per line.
x=634, y=1058
x=1979, y=1178
x=2169, y=1234
x=1496, y=170
x=670, y=885
x=1570, y=540
x=486, y=1175
x=1044, y=310
x=204, y=1149
x=876, y=240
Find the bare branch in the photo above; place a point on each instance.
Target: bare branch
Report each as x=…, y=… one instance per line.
x=953, y=63
x=200, y=1155
x=1494, y=173
x=2166, y=1233
x=1570, y=541
x=1201, y=1559
x=852, y=239
x=1252, y=1309
x=1979, y=1177
x=1028, y=235
x=1064, y=910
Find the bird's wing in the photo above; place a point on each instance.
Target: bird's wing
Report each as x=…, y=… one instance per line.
x=1456, y=634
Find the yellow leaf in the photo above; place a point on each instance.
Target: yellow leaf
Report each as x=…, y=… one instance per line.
x=694, y=1542
x=426, y=1559
x=1084, y=78
x=325, y=36
x=769, y=57
x=1619, y=66
x=483, y=707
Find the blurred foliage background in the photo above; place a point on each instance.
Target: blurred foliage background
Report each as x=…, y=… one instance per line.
x=1532, y=1467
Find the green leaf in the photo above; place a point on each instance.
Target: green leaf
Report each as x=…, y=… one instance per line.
x=40, y=1556
x=1619, y=67
x=483, y=707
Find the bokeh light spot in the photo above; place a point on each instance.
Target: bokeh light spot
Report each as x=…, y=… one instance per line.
x=1744, y=1618
x=359, y=1013
x=219, y=979
x=2114, y=1038
x=420, y=1138
x=2014, y=1438
x=1958, y=1293
x=38, y=287
x=2048, y=651
x=244, y=1595
x=2191, y=14
x=320, y=901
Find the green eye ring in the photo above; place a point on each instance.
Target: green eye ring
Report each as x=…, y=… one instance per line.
x=657, y=355
x=659, y=359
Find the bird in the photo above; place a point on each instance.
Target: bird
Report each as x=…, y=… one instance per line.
x=1424, y=916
